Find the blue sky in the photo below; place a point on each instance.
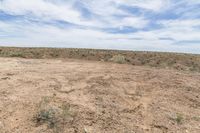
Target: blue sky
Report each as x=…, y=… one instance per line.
x=153, y=25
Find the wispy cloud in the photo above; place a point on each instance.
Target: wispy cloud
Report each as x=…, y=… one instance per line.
x=157, y=25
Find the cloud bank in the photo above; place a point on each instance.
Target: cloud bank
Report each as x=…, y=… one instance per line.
x=156, y=25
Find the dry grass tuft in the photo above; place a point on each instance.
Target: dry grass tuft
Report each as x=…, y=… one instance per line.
x=53, y=116
x=118, y=59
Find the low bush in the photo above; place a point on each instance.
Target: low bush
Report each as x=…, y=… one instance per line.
x=118, y=59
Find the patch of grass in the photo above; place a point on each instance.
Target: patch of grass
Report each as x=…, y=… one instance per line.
x=118, y=59
x=53, y=115
x=47, y=116
x=196, y=118
x=179, y=118
x=65, y=111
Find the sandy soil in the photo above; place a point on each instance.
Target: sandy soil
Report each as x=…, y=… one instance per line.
x=102, y=97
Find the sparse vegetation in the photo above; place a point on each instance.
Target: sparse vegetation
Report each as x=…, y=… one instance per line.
x=178, y=118
x=17, y=55
x=186, y=62
x=53, y=116
x=196, y=118
x=47, y=116
x=118, y=59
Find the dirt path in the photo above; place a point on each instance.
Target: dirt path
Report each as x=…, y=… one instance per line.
x=102, y=97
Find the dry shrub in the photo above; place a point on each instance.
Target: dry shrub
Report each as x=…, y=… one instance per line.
x=53, y=116
x=118, y=59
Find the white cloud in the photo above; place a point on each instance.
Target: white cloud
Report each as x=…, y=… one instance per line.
x=180, y=29
x=25, y=33
x=39, y=8
x=183, y=23
x=154, y=5
x=135, y=22
x=46, y=10
x=56, y=37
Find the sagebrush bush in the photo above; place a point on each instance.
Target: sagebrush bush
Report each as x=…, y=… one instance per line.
x=179, y=118
x=118, y=59
x=53, y=115
x=47, y=116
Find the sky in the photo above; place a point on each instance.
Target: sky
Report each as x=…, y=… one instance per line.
x=139, y=25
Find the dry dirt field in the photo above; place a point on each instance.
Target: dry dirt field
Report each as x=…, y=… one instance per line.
x=76, y=96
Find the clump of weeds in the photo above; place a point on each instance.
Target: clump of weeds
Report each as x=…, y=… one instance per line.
x=53, y=116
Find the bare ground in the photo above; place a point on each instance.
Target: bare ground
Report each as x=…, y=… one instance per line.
x=102, y=97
